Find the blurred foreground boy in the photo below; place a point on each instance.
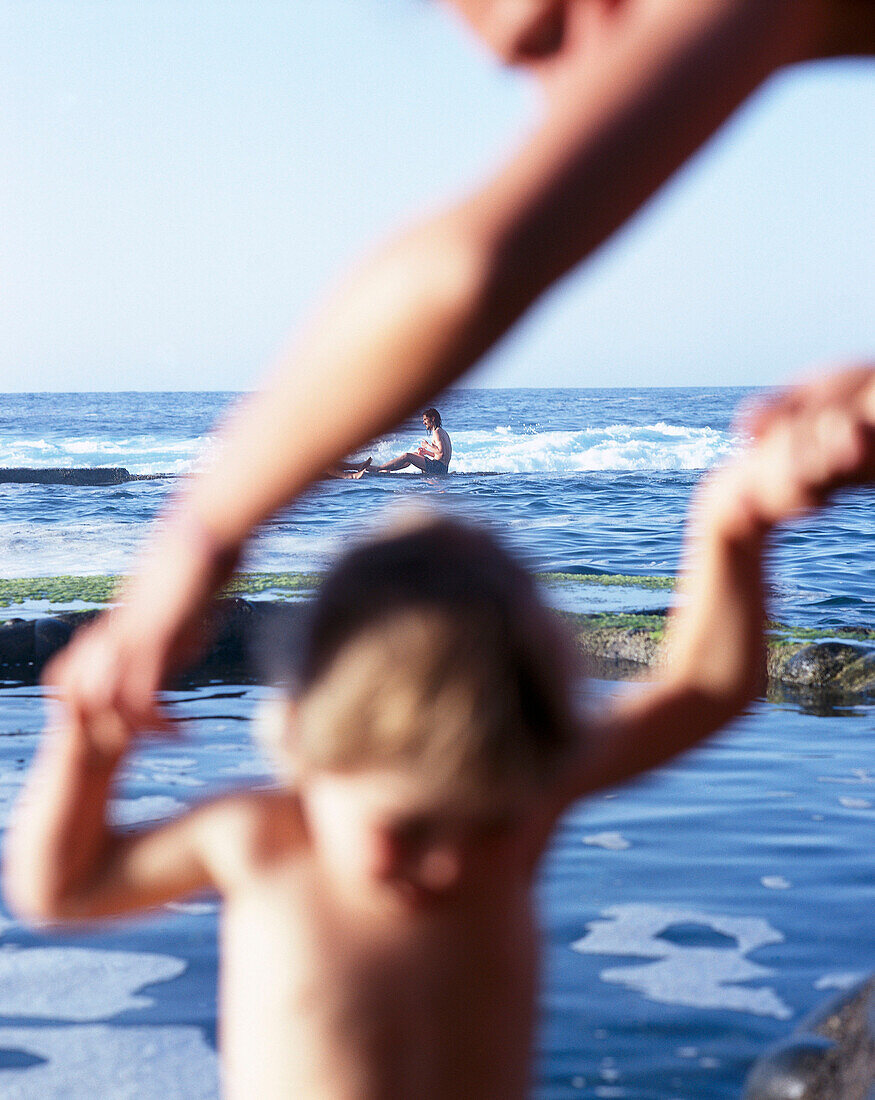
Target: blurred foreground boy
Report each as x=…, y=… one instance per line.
x=378, y=936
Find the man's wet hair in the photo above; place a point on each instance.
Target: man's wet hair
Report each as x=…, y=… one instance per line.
x=433, y=415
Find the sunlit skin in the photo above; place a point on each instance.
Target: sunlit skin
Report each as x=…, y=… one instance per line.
x=378, y=940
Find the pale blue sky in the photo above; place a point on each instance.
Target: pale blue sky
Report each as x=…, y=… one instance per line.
x=179, y=180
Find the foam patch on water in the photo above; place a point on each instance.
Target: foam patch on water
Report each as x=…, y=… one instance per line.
x=845, y=979
x=859, y=776
x=613, y=842
x=143, y=773
x=121, y=1063
x=697, y=977
x=133, y=811
x=193, y=908
x=79, y=983
x=775, y=882
x=856, y=803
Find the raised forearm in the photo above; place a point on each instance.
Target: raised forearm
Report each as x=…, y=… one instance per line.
x=714, y=645
x=714, y=655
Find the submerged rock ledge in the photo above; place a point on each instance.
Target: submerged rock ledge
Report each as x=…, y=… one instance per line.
x=246, y=637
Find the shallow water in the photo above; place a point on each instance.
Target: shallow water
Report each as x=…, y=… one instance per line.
x=689, y=918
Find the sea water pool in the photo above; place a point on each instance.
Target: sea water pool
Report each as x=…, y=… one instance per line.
x=689, y=918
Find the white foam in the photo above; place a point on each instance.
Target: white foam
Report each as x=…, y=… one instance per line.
x=856, y=803
x=193, y=908
x=860, y=776
x=630, y=447
x=613, y=842
x=121, y=1063
x=840, y=979
x=79, y=983
x=698, y=977
x=132, y=811
x=143, y=454
x=775, y=882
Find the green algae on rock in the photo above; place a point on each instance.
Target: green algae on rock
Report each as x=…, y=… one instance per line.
x=620, y=580
x=58, y=590
x=101, y=588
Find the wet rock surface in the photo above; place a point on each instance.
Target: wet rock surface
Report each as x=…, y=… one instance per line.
x=832, y=670
x=240, y=632
x=255, y=639
x=831, y=1056
x=58, y=475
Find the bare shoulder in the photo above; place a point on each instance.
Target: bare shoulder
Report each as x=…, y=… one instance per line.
x=248, y=831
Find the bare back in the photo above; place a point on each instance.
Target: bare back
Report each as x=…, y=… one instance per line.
x=324, y=996
x=442, y=442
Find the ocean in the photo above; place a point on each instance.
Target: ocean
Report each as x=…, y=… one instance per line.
x=690, y=918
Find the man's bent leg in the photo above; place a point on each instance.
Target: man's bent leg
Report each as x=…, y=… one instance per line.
x=400, y=463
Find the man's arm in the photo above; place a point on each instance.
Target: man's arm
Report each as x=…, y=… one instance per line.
x=809, y=442
x=427, y=306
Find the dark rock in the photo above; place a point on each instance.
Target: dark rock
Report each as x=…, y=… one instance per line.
x=831, y=1056
x=49, y=635
x=819, y=664
x=629, y=645
x=56, y=475
x=16, y=644
x=787, y=1069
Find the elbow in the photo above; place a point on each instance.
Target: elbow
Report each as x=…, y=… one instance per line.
x=30, y=899
x=34, y=896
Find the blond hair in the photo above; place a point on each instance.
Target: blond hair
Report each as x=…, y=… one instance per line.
x=430, y=649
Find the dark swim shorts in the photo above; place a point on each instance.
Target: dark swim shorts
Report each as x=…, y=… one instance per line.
x=433, y=466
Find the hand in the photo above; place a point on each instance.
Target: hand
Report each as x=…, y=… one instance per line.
x=808, y=441
x=109, y=677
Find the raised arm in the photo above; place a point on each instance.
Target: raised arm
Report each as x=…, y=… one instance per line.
x=808, y=442
x=425, y=308
x=65, y=863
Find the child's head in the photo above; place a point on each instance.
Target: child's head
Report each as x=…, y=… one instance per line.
x=433, y=669
x=430, y=651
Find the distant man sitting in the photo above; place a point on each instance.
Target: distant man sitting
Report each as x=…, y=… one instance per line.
x=432, y=457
